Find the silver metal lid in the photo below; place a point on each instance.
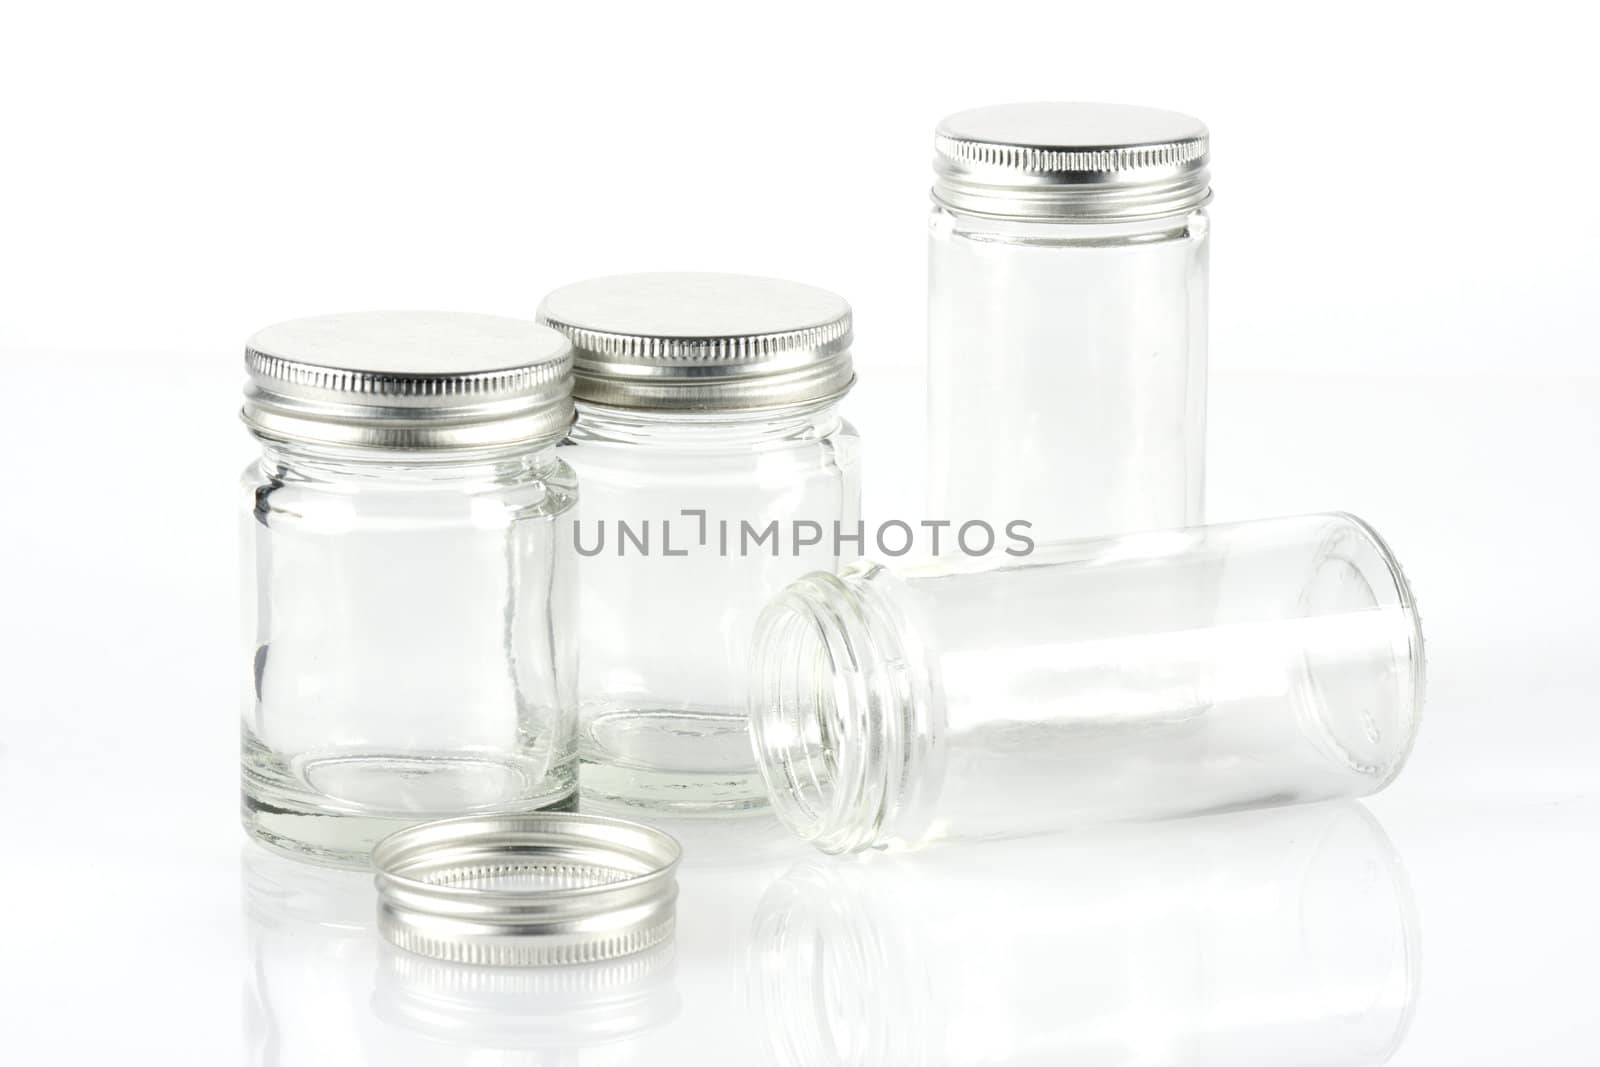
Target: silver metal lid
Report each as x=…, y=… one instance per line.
x=703, y=342
x=409, y=380
x=526, y=890
x=1071, y=162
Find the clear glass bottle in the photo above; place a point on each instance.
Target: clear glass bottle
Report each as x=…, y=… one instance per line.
x=716, y=469
x=408, y=592
x=1148, y=675
x=1067, y=318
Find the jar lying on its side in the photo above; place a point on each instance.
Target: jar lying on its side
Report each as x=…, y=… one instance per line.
x=716, y=469
x=1160, y=674
x=408, y=603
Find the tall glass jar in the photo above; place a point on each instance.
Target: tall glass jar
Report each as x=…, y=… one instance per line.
x=716, y=469
x=1067, y=318
x=408, y=596
x=1148, y=675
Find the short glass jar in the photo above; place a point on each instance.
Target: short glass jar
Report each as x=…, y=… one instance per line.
x=1149, y=675
x=1067, y=289
x=716, y=469
x=408, y=593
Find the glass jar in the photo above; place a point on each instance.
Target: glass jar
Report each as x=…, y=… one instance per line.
x=408, y=593
x=1067, y=318
x=716, y=469
x=1148, y=675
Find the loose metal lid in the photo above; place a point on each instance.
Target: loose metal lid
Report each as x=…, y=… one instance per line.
x=526, y=890
x=1071, y=162
x=409, y=380
x=703, y=342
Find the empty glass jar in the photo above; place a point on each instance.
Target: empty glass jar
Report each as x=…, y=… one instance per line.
x=716, y=469
x=1067, y=318
x=1157, y=674
x=408, y=593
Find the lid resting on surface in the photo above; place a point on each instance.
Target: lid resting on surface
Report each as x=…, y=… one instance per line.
x=527, y=890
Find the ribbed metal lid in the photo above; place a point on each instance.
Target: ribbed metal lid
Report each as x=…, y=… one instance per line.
x=703, y=342
x=1064, y=161
x=409, y=380
x=527, y=890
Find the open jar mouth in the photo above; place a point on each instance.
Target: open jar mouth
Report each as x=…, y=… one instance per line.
x=841, y=709
x=795, y=706
x=1378, y=674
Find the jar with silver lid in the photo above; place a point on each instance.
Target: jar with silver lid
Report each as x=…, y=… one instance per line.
x=1067, y=318
x=408, y=591
x=716, y=469
x=1148, y=675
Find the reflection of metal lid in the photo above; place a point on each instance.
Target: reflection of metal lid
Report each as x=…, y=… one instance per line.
x=527, y=890
x=528, y=1008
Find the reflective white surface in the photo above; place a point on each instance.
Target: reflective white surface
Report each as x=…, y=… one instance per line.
x=1454, y=926
x=1281, y=937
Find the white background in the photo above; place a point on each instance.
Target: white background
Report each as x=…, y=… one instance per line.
x=1404, y=279
x=1400, y=189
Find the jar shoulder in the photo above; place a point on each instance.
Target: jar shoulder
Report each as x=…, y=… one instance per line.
x=595, y=434
x=607, y=466
x=280, y=495
x=946, y=227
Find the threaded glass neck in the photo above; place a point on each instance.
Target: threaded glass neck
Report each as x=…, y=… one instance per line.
x=336, y=463
x=843, y=710
x=687, y=429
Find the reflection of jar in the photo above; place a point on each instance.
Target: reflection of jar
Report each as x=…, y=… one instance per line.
x=1147, y=675
x=728, y=863
x=716, y=468
x=408, y=600
x=313, y=940
x=1067, y=318
x=1283, y=938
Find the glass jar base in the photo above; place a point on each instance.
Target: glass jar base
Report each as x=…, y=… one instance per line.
x=686, y=760
x=609, y=787
x=341, y=839
x=332, y=807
